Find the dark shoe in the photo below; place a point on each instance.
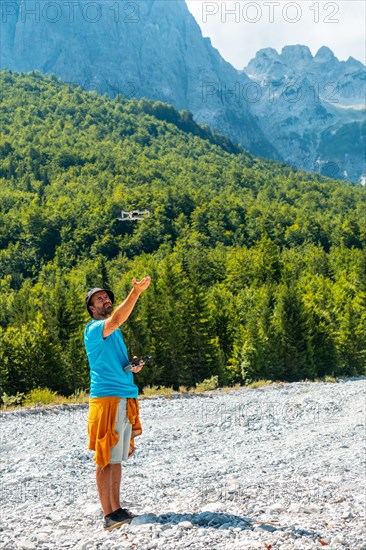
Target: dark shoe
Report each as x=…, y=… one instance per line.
x=124, y=513
x=114, y=520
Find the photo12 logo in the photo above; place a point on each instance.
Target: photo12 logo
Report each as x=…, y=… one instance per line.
x=128, y=89
x=271, y=12
x=118, y=11
x=252, y=414
x=35, y=489
x=285, y=493
x=252, y=92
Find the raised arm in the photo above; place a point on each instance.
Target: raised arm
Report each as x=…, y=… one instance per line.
x=123, y=311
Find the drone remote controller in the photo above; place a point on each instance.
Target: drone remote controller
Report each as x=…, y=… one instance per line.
x=135, y=362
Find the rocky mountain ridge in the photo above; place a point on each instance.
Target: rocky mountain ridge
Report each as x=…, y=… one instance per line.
x=136, y=49
x=312, y=108
x=309, y=115
x=338, y=82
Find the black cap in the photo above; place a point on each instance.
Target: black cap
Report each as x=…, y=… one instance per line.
x=92, y=292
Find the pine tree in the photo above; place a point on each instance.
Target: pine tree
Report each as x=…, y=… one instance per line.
x=31, y=358
x=322, y=350
x=289, y=325
x=74, y=356
x=351, y=341
x=171, y=337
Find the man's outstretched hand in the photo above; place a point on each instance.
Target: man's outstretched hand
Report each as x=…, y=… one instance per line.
x=123, y=311
x=141, y=285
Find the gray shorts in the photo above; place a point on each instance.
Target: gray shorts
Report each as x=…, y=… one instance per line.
x=124, y=429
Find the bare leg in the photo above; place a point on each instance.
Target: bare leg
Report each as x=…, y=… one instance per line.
x=103, y=484
x=116, y=474
x=109, y=484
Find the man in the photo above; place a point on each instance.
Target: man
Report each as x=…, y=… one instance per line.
x=113, y=408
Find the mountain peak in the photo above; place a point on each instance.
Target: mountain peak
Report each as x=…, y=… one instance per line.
x=296, y=52
x=267, y=52
x=324, y=54
x=263, y=61
x=354, y=63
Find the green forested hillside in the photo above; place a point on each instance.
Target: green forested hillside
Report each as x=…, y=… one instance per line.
x=257, y=271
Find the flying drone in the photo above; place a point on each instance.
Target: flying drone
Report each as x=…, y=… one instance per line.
x=133, y=215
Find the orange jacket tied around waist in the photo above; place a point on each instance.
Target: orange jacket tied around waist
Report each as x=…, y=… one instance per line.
x=101, y=424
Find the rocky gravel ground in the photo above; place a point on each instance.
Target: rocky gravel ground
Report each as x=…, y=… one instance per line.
x=278, y=467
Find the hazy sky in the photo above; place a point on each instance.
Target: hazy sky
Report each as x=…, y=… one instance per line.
x=238, y=29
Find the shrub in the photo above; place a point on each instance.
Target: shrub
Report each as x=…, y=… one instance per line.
x=208, y=384
x=79, y=396
x=41, y=396
x=12, y=400
x=157, y=390
x=231, y=388
x=259, y=384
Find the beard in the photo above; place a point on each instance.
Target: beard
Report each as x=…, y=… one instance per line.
x=107, y=310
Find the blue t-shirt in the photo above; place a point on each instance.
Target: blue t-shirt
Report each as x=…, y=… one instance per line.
x=107, y=357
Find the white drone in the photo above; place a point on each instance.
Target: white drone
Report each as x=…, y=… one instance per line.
x=133, y=215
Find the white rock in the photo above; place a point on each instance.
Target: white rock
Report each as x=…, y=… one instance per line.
x=25, y=544
x=169, y=532
x=92, y=509
x=64, y=525
x=185, y=524
x=337, y=540
x=235, y=466
x=87, y=544
x=214, y=507
x=298, y=543
x=276, y=509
